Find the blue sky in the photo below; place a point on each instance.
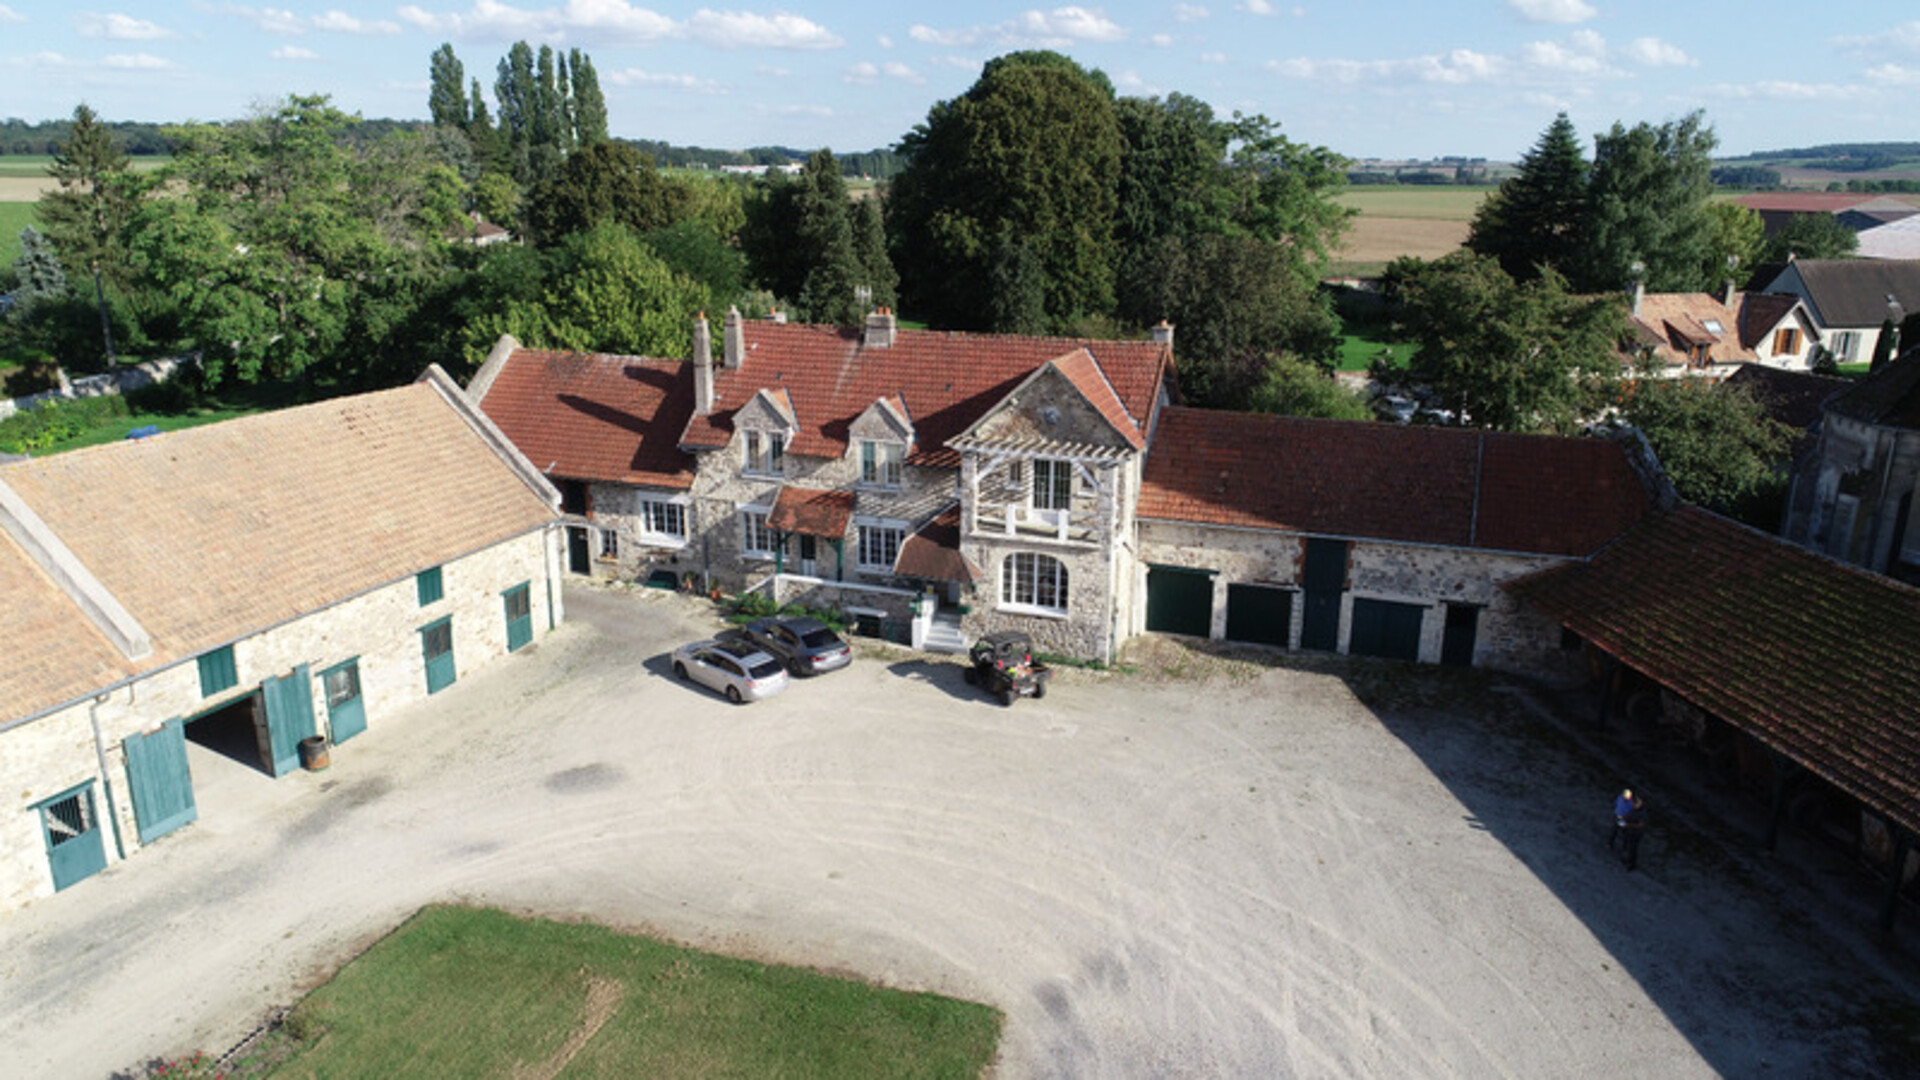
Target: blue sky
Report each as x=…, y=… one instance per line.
x=1368, y=78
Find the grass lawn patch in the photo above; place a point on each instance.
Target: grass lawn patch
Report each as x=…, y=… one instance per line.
x=1855, y=371
x=459, y=991
x=1358, y=350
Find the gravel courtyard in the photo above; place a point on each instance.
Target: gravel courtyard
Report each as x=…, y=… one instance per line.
x=1204, y=867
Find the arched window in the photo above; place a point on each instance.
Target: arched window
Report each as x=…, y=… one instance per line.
x=1035, y=582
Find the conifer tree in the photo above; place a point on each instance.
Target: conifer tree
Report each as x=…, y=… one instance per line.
x=1535, y=219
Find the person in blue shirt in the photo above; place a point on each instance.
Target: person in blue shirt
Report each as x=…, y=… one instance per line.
x=1622, y=806
x=1632, y=829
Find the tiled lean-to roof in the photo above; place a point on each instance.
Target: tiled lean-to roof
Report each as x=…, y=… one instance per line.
x=1810, y=656
x=587, y=416
x=1366, y=480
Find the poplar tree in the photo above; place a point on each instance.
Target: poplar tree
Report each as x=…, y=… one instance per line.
x=447, y=100
x=87, y=217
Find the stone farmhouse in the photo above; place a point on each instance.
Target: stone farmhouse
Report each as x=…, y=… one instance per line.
x=913, y=478
x=244, y=587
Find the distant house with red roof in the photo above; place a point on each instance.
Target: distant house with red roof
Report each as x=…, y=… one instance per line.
x=1703, y=334
x=1049, y=485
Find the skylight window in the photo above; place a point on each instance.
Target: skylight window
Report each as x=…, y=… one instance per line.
x=1713, y=326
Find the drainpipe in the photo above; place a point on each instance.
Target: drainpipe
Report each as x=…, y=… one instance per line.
x=106, y=778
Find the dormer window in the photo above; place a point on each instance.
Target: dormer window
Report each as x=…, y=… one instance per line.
x=880, y=462
x=766, y=452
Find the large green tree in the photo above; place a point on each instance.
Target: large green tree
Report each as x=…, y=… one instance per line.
x=1648, y=196
x=1812, y=236
x=86, y=216
x=603, y=182
x=834, y=289
x=1537, y=216
x=1512, y=356
x=1717, y=443
x=604, y=291
x=447, y=93
x=1015, y=180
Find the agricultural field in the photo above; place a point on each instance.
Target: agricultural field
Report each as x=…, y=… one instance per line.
x=1423, y=221
x=14, y=216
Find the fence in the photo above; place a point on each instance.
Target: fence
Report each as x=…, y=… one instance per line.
x=118, y=381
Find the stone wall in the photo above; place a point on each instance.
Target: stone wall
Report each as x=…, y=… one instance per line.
x=381, y=629
x=1509, y=636
x=118, y=381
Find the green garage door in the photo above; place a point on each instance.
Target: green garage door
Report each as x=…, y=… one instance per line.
x=1260, y=614
x=1385, y=629
x=289, y=704
x=1180, y=600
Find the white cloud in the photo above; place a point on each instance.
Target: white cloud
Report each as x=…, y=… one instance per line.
x=1781, y=90
x=1582, y=52
x=1189, y=12
x=339, y=22
x=116, y=27
x=619, y=22
x=1256, y=7
x=740, y=29
x=293, y=52
x=1160, y=41
x=885, y=41
x=1056, y=29
x=1904, y=38
x=805, y=112
x=614, y=21
x=1894, y=75
x=137, y=62
x=1453, y=68
x=867, y=74
x=1214, y=59
x=637, y=77
x=1652, y=52
x=1554, y=11
x=282, y=21
x=8, y=15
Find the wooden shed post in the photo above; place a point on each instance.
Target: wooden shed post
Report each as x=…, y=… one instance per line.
x=1902, y=842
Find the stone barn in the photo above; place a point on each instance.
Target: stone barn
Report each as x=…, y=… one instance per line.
x=211, y=598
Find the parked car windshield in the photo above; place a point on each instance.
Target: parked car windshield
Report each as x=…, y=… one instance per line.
x=766, y=669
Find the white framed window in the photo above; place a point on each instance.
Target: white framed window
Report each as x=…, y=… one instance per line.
x=766, y=452
x=663, y=521
x=1030, y=581
x=755, y=537
x=880, y=462
x=1052, y=484
x=880, y=544
x=609, y=544
x=1846, y=346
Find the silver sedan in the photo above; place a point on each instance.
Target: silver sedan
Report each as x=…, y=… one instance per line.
x=734, y=667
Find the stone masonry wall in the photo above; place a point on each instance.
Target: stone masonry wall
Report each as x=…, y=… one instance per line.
x=1509, y=637
x=381, y=629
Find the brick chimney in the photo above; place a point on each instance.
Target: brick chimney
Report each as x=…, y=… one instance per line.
x=1727, y=295
x=1163, y=333
x=880, y=329
x=734, y=349
x=702, y=366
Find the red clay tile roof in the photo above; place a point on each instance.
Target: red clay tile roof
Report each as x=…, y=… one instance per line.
x=586, y=416
x=1417, y=485
x=933, y=553
x=214, y=533
x=1080, y=369
x=945, y=380
x=811, y=511
x=1812, y=657
x=1675, y=322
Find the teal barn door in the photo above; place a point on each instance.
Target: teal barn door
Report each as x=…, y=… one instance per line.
x=75, y=849
x=519, y=617
x=162, y=785
x=346, y=710
x=289, y=704
x=436, y=647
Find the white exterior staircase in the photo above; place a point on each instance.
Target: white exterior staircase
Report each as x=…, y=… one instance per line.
x=944, y=635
